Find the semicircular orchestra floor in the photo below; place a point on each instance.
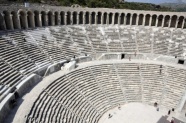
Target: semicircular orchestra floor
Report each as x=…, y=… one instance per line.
x=141, y=113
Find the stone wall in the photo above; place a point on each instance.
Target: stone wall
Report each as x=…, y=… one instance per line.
x=19, y=17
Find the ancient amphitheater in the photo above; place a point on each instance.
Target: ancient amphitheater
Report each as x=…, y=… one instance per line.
x=88, y=65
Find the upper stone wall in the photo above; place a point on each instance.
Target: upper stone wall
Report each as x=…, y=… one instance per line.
x=19, y=17
x=45, y=7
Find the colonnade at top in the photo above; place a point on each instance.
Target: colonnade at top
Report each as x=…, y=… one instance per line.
x=23, y=19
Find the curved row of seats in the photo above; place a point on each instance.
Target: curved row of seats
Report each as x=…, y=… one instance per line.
x=26, y=51
x=84, y=95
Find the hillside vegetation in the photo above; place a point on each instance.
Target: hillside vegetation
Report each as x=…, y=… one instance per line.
x=103, y=4
x=179, y=7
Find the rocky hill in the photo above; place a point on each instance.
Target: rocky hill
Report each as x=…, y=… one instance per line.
x=96, y=4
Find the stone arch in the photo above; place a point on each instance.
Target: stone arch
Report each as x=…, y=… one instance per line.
x=8, y=20
x=57, y=19
x=173, y=21
x=23, y=19
x=87, y=18
x=50, y=18
x=166, y=21
x=180, y=22
x=81, y=17
x=110, y=18
x=74, y=17
x=44, y=18
x=68, y=18
x=140, y=21
x=153, y=22
x=128, y=17
x=37, y=18
x=62, y=14
x=122, y=18
x=184, y=26
x=147, y=20
x=160, y=20
x=116, y=18
x=99, y=18
x=93, y=18
x=105, y=18
x=31, y=21
x=15, y=20
x=134, y=18
x=2, y=24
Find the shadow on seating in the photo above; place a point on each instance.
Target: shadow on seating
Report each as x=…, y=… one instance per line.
x=163, y=119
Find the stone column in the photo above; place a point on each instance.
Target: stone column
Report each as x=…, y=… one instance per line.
x=90, y=18
x=131, y=19
x=176, y=26
x=26, y=20
x=150, y=21
x=157, y=19
x=32, y=21
x=119, y=19
x=84, y=18
x=17, y=22
x=170, y=21
x=96, y=18
x=3, y=24
x=102, y=18
x=77, y=18
x=10, y=22
x=34, y=24
x=137, y=20
x=107, y=21
x=113, y=18
x=183, y=23
x=71, y=18
x=125, y=20
x=163, y=21
x=52, y=19
x=46, y=19
x=144, y=19
x=58, y=19
x=39, y=20
x=65, y=19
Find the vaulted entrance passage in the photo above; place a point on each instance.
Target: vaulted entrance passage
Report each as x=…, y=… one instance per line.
x=122, y=18
x=138, y=113
x=134, y=19
x=153, y=22
x=81, y=18
x=141, y=17
x=128, y=19
x=68, y=18
x=160, y=20
x=93, y=18
x=122, y=56
x=74, y=17
x=116, y=18
x=147, y=20
x=110, y=18
x=62, y=14
x=99, y=18
x=87, y=18
x=173, y=21
x=166, y=21
x=105, y=18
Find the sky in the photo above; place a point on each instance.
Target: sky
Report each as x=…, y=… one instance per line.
x=156, y=1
